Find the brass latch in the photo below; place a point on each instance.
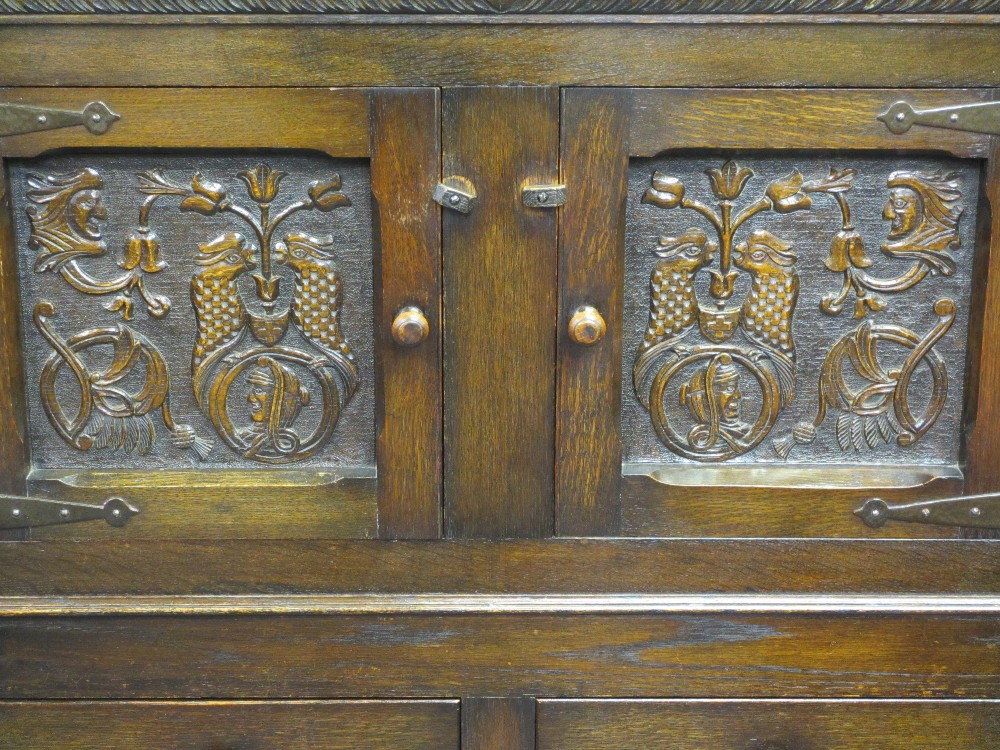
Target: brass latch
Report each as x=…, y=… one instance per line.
x=17, y=119
x=27, y=512
x=972, y=511
x=982, y=117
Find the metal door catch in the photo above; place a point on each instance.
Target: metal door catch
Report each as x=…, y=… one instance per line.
x=27, y=512
x=983, y=117
x=17, y=119
x=544, y=196
x=456, y=193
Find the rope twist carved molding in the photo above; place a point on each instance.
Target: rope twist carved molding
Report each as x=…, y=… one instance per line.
x=499, y=6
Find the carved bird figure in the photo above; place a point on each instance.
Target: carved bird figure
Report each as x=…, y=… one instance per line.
x=673, y=306
x=767, y=310
x=317, y=300
x=221, y=317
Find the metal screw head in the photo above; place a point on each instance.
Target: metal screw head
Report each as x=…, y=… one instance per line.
x=116, y=512
x=43, y=119
x=900, y=116
x=454, y=199
x=954, y=118
x=543, y=197
x=876, y=512
x=975, y=512
x=96, y=117
x=926, y=512
x=16, y=512
x=64, y=512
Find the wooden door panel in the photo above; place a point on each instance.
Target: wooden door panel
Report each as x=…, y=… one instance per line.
x=208, y=284
x=767, y=725
x=793, y=294
x=309, y=725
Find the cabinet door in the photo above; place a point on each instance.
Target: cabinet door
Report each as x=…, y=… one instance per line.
x=196, y=725
x=222, y=307
x=767, y=725
x=778, y=313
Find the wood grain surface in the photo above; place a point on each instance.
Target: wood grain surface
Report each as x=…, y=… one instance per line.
x=566, y=654
x=766, y=725
x=302, y=725
x=56, y=569
x=498, y=724
x=500, y=306
x=406, y=159
x=755, y=52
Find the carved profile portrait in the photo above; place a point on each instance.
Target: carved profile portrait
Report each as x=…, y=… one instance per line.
x=714, y=398
x=923, y=214
x=66, y=218
x=275, y=400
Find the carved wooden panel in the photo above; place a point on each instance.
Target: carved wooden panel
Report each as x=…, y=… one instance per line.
x=797, y=309
x=184, y=311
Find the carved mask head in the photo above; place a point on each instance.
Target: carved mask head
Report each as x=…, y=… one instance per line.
x=87, y=211
x=904, y=210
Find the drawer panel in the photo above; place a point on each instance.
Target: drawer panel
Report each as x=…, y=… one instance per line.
x=767, y=725
x=304, y=725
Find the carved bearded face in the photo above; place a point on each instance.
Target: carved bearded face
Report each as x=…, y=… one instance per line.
x=87, y=212
x=903, y=210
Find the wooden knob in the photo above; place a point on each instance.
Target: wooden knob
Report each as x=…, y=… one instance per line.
x=587, y=326
x=410, y=326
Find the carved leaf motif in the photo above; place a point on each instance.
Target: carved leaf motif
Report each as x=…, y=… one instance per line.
x=844, y=431
x=262, y=182
x=666, y=191
x=871, y=431
x=786, y=194
x=326, y=196
x=208, y=197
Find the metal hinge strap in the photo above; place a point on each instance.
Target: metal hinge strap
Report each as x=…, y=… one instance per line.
x=971, y=511
x=27, y=512
x=982, y=117
x=17, y=119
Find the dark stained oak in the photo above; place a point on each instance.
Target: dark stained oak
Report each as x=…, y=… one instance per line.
x=303, y=725
x=406, y=152
x=766, y=724
x=565, y=566
x=569, y=654
x=499, y=309
x=498, y=724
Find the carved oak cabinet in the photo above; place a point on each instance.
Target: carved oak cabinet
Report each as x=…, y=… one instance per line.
x=500, y=374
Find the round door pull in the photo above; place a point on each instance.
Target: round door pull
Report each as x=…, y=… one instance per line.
x=410, y=326
x=587, y=326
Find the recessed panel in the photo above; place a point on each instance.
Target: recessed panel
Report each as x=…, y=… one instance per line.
x=184, y=311
x=797, y=309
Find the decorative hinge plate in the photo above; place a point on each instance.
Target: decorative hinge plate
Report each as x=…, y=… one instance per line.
x=544, y=196
x=17, y=119
x=983, y=117
x=972, y=511
x=457, y=193
x=27, y=512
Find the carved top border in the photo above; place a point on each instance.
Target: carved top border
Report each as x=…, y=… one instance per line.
x=498, y=6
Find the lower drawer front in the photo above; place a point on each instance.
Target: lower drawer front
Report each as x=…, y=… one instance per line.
x=768, y=725
x=246, y=725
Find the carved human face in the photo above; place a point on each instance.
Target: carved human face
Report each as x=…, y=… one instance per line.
x=903, y=210
x=259, y=400
x=730, y=400
x=88, y=212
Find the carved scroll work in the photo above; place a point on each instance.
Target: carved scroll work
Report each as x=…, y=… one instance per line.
x=704, y=363
x=113, y=404
x=279, y=380
x=709, y=352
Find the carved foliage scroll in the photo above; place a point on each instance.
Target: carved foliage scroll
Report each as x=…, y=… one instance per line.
x=271, y=367
x=719, y=364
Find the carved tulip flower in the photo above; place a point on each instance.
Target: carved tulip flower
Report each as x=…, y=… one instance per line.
x=786, y=194
x=666, y=192
x=142, y=250
x=728, y=182
x=326, y=196
x=262, y=182
x=207, y=197
x=847, y=249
